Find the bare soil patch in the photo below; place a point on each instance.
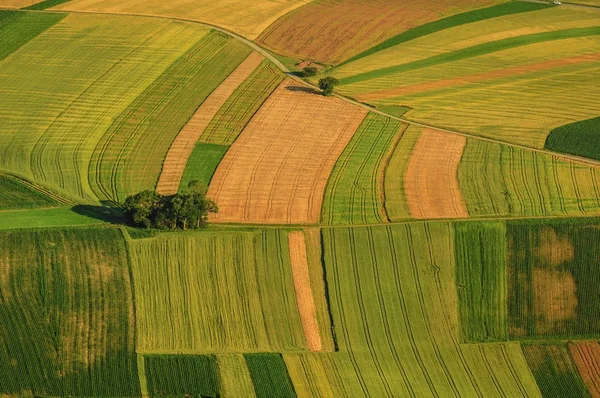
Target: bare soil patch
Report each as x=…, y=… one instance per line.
x=183, y=146
x=431, y=182
x=555, y=298
x=276, y=171
x=553, y=249
x=304, y=295
x=586, y=355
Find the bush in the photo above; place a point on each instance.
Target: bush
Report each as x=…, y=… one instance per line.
x=309, y=71
x=327, y=84
x=189, y=209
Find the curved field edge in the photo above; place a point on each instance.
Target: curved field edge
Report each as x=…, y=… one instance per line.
x=18, y=28
x=512, y=7
x=579, y=138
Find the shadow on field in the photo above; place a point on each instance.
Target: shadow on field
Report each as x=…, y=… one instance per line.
x=301, y=89
x=103, y=213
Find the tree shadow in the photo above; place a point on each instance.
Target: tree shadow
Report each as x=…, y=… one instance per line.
x=107, y=214
x=301, y=89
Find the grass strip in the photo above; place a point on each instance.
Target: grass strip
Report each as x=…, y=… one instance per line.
x=46, y=4
x=202, y=164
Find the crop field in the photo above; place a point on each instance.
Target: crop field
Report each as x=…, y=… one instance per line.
x=185, y=141
x=277, y=170
x=506, y=181
x=395, y=312
x=241, y=106
x=554, y=371
x=15, y=194
x=17, y=3
x=234, y=376
x=130, y=155
x=44, y=217
x=57, y=99
x=577, y=138
x=484, y=85
x=552, y=279
x=184, y=300
x=202, y=164
x=355, y=189
x=67, y=314
x=17, y=28
x=269, y=375
x=480, y=250
x=330, y=31
x=182, y=375
x=586, y=355
x=248, y=19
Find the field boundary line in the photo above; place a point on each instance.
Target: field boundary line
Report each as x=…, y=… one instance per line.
x=58, y=198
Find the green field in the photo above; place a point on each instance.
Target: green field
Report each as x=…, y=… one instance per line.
x=182, y=375
x=269, y=375
x=40, y=218
x=245, y=101
x=554, y=371
x=67, y=314
x=16, y=194
x=202, y=164
x=17, y=28
x=184, y=300
x=553, y=279
x=129, y=157
x=579, y=138
x=480, y=250
x=354, y=193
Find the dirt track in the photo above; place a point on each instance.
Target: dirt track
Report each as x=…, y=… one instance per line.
x=304, y=295
x=183, y=146
x=277, y=169
x=431, y=182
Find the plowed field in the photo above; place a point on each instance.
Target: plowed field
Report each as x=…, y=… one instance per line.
x=586, y=356
x=277, y=169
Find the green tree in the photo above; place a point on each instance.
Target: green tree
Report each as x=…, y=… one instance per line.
x=309, y=71
x=327, y=84
x=140, y=209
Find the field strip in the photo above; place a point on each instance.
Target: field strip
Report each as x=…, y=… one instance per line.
x=586, y=356
x=304, y=295
x=431, y=182
x=479, y=77
x=183, y=146
x=277, y=170
x=43, y=190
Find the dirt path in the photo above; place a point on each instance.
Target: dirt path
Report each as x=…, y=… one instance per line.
x=276, y=171
x=183, y=146
x=431, y=182
x=304, y=295
x=586, y=356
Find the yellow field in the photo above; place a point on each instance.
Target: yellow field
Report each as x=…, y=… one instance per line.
x=247, y=18
x=17, y=3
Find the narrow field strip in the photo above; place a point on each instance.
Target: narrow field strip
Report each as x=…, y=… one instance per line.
x=586, y=356
x=354, y=193
x=304, y=295
x=276, y=171
x=431, y=182
x=45, y=4
x=201, y=164
x=44, y=218
x=234, y=376
x=17, y=3
x=183, y=146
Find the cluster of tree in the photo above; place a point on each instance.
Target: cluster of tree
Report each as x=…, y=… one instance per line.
x=327, y=84
x=185, y=210
x=309, y=71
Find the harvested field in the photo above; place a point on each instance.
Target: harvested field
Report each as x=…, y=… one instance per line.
x=17, y=3
x=355, y=192
x=330, y=31
x=248, y=19
x=551, y=277
x=554, y=371
x=67, y=317
x=277, y=170
x=215, y=293
x=304, y=294
x=183, y=146
x=586, y=355
x=499, y=180
x=431, y=182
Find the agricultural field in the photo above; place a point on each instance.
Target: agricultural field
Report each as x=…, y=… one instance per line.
x=248, y=19
x=330, y=31
x=18, y=194
x=480, y=83
x=577, y=138
x=277, y=169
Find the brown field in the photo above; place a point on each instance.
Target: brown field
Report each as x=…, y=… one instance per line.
x=183, y=146
x=17, y=3
x=555, y=298
x=304, y=295
x=586, y=356
x=479, y=77
x=554, y=249
x=431, y=182
x=331, y=31
x=276, y=171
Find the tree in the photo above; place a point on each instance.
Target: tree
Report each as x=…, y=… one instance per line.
x=309, y=71
x=188, y=209
x=327, y=84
